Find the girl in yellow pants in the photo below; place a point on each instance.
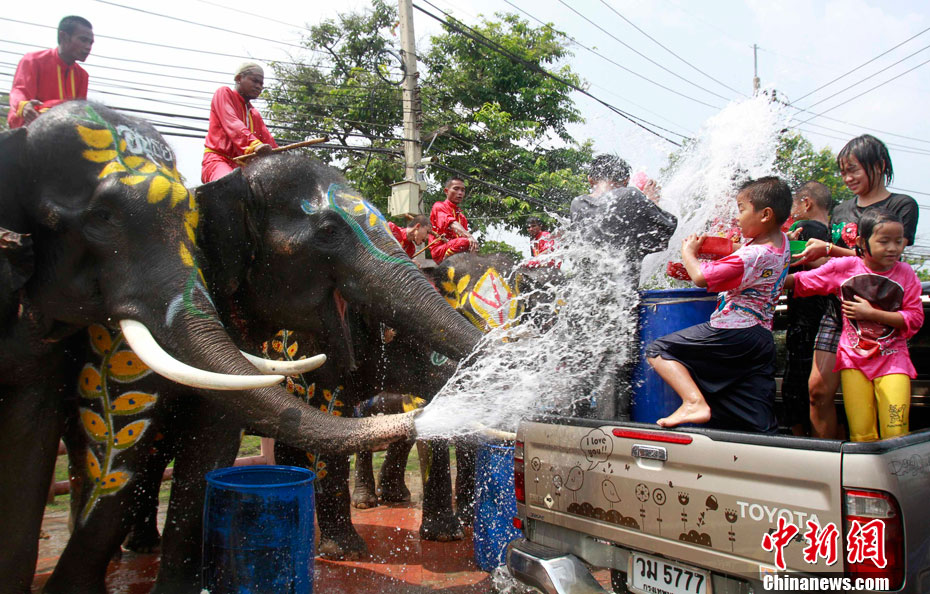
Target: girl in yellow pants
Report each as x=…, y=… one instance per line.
x=886, y=399
x=881, y=310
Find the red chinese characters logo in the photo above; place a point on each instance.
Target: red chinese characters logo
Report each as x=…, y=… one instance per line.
x=867, y=541
x=864, y=542
x=777, y=540
x=821, y=542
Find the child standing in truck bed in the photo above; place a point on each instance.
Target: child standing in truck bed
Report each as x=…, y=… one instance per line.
x=724, y=369
x=881, y=310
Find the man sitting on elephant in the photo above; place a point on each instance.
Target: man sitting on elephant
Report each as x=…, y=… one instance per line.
x=417, y=230
x=236, y=128
x=46, y=78
x=449, y=223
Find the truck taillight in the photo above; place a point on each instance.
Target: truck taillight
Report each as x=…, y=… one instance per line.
x=874, y=536
x=519, y=484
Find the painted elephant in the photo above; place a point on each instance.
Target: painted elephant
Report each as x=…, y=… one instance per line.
x=113, y=233
x=285, y=244
x=490, y=291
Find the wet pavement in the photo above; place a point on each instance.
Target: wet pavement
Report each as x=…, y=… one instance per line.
x=399, y=563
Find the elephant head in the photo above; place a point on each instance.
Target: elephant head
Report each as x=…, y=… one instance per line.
x=289, y=242
x=114, y=234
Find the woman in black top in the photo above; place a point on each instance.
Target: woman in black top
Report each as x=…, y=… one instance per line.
x=866, y=169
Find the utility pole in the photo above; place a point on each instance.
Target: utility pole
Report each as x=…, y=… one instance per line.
x=405, y=195
x=755, y=70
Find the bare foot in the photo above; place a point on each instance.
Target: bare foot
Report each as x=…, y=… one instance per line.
x=697, y=412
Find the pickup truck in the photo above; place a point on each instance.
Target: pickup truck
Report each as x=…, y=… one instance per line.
x=703, y=511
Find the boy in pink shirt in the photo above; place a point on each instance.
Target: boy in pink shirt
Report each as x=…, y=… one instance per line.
x=724, y=369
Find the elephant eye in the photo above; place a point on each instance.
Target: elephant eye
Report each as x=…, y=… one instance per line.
x=102, y=214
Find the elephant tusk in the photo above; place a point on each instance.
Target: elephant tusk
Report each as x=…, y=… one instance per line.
x=286, y=367
x=146, y=348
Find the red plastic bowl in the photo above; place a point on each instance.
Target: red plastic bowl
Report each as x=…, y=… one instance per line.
x=715, y=247
x=677, y=270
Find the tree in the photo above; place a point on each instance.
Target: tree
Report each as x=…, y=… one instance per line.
x=489, y=114
x=798, y=162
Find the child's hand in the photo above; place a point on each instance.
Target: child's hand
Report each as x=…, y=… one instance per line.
x=858, y=309
x=691, y=244
x=793, y=235
x=815, y=249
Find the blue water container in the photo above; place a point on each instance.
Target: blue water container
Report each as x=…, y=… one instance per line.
x=660, y=313
x=495, y=505
x=258, y=530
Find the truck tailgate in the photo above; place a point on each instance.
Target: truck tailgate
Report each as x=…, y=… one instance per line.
x=707, y=500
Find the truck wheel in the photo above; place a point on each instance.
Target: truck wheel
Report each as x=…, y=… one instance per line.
x=618, y=581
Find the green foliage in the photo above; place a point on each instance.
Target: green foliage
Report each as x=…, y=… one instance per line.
x=499, y=247
x=5, y=102
x=798, y=162
x=495, y=119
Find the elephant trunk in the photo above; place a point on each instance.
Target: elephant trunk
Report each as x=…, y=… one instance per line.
x=406, y=301
x=272, y=411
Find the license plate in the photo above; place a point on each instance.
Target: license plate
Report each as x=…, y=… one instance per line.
x=651, y=575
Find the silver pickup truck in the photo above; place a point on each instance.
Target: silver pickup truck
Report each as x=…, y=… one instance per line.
x=702, y=511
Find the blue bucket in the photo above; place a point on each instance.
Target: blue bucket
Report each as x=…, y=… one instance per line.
x=661, y=313
x=495, y=505
x=258, y=530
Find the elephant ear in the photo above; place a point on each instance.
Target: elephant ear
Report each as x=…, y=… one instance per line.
x=14, y=180
x=227, y=233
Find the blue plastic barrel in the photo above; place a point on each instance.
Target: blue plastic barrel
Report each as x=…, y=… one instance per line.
x=258, y=530
x=495, y=505
x=660, y=313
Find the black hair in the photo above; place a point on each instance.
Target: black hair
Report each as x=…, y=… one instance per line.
x=70, y=23
x=533, y=221
x=420, y=219
x=609, y=167
x=870, y=219
x=872, y=154
x=819, y=194
x=769, y=192
x=452, y=179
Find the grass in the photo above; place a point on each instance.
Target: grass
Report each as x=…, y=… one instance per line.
x=250, y=446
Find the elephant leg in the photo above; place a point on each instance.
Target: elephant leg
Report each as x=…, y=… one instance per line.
x=338, y=537
x=211, y=444
x=31, y=421
x=439, y=520
x=465, y=454
x=391, y=485
x=364, y=495
x=96, y=539
x=143, y=536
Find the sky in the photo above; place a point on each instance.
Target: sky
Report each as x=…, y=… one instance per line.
x=851, y=64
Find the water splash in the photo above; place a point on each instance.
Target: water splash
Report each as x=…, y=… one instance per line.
x=699, y=184
x=556, y=360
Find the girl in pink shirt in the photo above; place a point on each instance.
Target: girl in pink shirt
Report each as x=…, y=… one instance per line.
x=881, y=310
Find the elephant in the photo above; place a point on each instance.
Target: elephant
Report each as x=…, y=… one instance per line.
x=285, y=244
x=114, y=245
x=491, y=291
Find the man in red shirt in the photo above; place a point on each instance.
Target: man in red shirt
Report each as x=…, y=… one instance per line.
x=541, y=242
x=46, y=78
x=416, y=232
x=236, y=128
x=449, y=223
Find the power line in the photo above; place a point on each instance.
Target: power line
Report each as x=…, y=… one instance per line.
x=214, y=27
x=645, y=57
x=861, y=65
x=868, y=77
x=654, y=40
x=864, y=92
x=482, y=40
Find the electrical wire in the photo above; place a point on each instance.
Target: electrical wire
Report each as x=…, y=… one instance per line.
x=650, y=60
x=861, y=65
x=482, y=40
